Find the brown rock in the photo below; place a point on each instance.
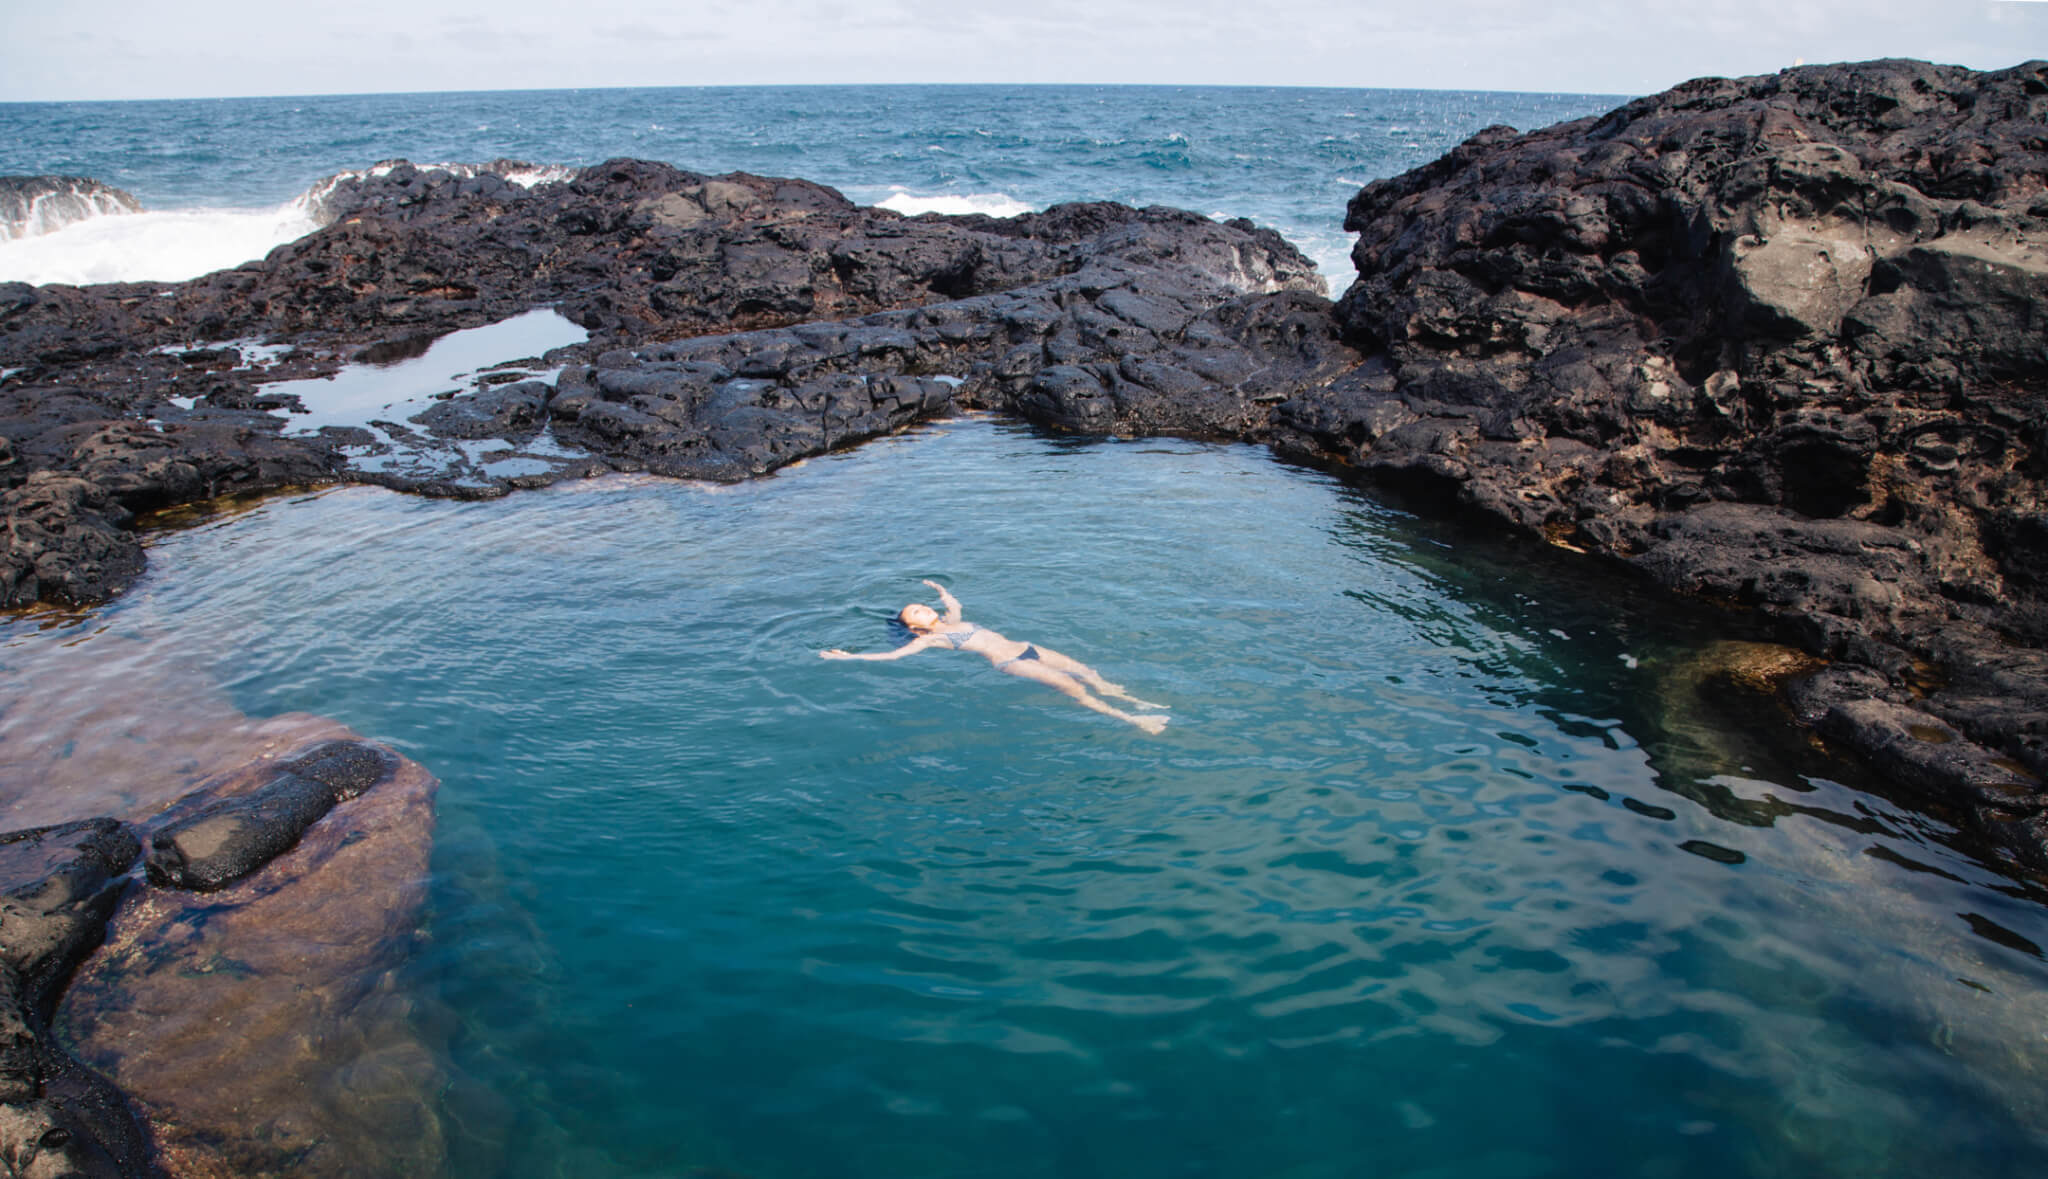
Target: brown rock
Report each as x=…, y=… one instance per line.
x=259, y=1028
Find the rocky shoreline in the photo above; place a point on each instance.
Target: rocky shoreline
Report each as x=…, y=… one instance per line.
x=1773, y=341
x=162, y=981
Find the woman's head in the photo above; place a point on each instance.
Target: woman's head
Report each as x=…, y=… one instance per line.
x=918, y=617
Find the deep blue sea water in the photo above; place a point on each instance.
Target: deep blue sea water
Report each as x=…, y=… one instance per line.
x=1286, y=158
x=1445, y=866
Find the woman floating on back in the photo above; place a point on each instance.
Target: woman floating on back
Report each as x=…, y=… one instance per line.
x=1063, y=674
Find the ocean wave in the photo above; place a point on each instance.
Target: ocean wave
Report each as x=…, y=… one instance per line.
x=77, y=241
x=31, y=206
x=316, y=199
x=995, y=204
x=164, y=246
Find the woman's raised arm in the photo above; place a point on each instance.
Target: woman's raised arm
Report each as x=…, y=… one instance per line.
x=946, y=599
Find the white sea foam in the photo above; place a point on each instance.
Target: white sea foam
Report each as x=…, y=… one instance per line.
x=152, y=247
x=175, y=245
x=995, y=204
x=315, y=198
x=48, y=212
x=1331, y=252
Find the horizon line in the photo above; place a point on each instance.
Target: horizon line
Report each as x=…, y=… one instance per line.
x=1545, y=91
x=839, y=86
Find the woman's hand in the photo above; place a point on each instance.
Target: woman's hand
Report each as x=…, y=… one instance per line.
x=946, y=599
x=835, y=653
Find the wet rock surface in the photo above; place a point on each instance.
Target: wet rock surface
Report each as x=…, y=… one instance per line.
x=31, y=205
x=258, y=1027
x=1773, y=341
x=58, y=1117
x=1776, y=341
x=227, y=839
x=833, y=323
x=285, y=971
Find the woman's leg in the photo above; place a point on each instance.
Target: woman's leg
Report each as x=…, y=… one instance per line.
x=1088, y=675
x=1067, y=685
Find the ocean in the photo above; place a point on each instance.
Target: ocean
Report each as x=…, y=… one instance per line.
x=222, y=180
x=1452, y=861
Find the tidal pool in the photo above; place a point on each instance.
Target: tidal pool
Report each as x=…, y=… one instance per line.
x=1446, y=866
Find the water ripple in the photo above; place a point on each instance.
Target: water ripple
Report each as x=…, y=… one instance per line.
x=1418, y=856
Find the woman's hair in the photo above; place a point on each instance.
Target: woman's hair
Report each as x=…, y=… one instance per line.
x=900, y=630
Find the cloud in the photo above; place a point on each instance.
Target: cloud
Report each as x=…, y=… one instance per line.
x=239, y=47
x=644, y=34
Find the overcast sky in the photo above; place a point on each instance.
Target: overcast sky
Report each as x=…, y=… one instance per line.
x=206, y=48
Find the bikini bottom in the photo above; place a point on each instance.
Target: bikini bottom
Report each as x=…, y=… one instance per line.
x=1029, y=652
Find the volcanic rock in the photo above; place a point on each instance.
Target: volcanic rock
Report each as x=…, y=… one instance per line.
x=229, y=839
x=258, y=1026
x=316, y=1031
x=31, y=205
x=830, y=323
x=1772, y=340
x=58, y=1117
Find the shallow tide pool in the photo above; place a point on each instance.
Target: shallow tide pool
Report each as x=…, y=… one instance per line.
x=1446, y=865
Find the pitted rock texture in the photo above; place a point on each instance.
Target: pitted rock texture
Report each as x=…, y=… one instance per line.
x=58, y=1117
x=286, y=971
x=1777, y=340
x=1116, y=347
x=260, y=1028
x=1092, y=316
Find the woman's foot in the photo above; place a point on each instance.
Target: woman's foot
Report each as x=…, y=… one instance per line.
x=1154, y=725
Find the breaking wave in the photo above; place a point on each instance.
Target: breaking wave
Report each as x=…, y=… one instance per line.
x=87, y=234
x=317, y=199
x=995, y=204
x=169, y=246
x=31, y=206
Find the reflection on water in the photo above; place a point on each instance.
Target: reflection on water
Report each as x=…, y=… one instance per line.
x=1450, y=862
x=392, y=382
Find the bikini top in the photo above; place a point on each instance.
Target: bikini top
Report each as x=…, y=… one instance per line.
x=959, y=638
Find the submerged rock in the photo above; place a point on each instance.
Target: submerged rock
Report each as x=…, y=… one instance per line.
x=1775, y=341
x=58, y=1117
x=228, y=839
x=256, y=1030
x=258, y=1026
x=1771, y=340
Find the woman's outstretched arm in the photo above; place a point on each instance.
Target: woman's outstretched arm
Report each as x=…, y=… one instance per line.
x=946, y=599
x=910, y=648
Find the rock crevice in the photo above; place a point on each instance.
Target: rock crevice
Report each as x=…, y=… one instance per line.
x=1774, y=341
x=153, y=1008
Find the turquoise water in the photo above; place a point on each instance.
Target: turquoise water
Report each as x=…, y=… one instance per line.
x=1441, y=869
x=1445, y=866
